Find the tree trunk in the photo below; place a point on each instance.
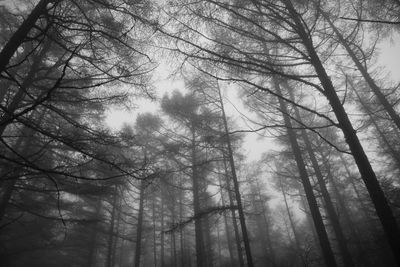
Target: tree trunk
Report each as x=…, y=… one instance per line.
x=341, y=198
x=233, y=214
x=8, y=116
x=368, y=175
x=20, y=35
x=267, y=229
x=371, y=83
x=341, y=239
x=312, y=202
x=115, y=243
x=181, y=231
x=292, y=224
x=139, y=226
x=236, y=185
x=93, y=238
x=153, y=215
x=227, y=232
x=392, y=151
x=22, y=145
x=209, y=246
x=200, y=253
x=111, y=229
x=162, y=249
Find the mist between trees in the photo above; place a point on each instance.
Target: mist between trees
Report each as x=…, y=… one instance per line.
x=172, y=187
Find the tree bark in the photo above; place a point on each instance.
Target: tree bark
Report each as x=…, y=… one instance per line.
x=227, y=232
x=7, y=117
x=368, y=175
x=153, y=215
x=292, y=225
x=200, y=253
x=362, y=256
x=20, y=35
x=93, y=237
x=392, y=151
x=312, y=202
x=139, y=226
x=233, y=214
x=236, y=185
x=267, y=229
x=111, y=229
x=341, y=239
x=370, y=81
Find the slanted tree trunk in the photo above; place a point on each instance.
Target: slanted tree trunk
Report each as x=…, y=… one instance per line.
x=341, y=198
x=21, y=145
x=233, y=214
x=378, y=198
x=262, y=224
x=162, y=248
x=8, y=116
x=312, y=202
x=22, y=32
x=139, y=226
x=111, y=229
x=395, y=154
x=356, y=190
x=91, y=259
x=341, y=239
x=238, y=198
x=115, y=243
x=370, y=81
x=267, y=229
x=207, y=237
x=173, y=237
x=200, y=253
x=292, y=224
x=122, y=247
x=153, y=217
x=181, y=231
x=227, y=228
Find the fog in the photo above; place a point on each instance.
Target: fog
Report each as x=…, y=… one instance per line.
x=199, y=133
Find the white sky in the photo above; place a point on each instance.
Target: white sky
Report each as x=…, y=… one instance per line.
x=254, y=146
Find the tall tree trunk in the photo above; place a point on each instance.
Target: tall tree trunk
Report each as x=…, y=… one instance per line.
x=233, y=214
x=153, y=216
x=395, y=154
x=173, y=237
x=370, y=81
x=22, y=32
x=227, y=231
x=292, y=224
x=236, y=185
x=8, y=116
x=200, y=253
x=267, y=229
x=181, y=231
x=207, y=237
x=310, y=223
x=22, y=146
x=122, y=248
x=341, y=239
x=162, y=249
x=341, y=198
x=219, y=247
x=364, y=166
x=93, y=237
x=139, y=226
x=115, y=243
x=312, y=202
x=356, y=190
x=111, y=229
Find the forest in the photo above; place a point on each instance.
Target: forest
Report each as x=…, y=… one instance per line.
x=256, y=133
